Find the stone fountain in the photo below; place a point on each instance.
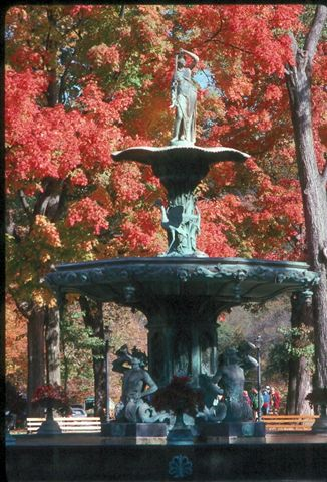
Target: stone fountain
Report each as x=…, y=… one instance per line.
x=181, y=292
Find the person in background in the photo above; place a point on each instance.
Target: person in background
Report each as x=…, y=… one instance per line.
x=247, y=398
x=266, y=401
x=254, y=401
x=274, y=400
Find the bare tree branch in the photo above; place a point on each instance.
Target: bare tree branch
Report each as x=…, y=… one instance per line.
x=50, y=202
x=314, y=34
x=24, y=307
x=10, y=224
x=231, y=45
x=24, y=202
x=62, y=84
x=324, y=174
x=294, y=44
x=216, y=33
x=122, y=12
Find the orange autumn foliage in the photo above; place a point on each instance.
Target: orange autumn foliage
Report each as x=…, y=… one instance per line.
x=16, y=345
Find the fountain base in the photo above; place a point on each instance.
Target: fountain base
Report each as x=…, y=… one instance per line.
x=88, y=457
x=121, y=430
x=223, y=431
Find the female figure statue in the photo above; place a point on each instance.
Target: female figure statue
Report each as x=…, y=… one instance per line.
x=184, y=97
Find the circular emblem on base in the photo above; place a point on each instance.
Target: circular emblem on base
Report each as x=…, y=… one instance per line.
x=180, y=466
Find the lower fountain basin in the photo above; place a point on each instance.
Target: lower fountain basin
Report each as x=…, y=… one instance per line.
x=181, y=298
x=228, y=280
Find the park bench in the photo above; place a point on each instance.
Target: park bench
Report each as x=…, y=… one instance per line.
x=68, y=424
x=278, y=423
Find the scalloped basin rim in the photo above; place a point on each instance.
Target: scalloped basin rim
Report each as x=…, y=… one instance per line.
x=173, y=148
x=230, y=281
x=150, y=155
x=182, y=261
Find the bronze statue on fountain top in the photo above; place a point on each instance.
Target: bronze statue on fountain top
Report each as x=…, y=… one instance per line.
x=184, y=98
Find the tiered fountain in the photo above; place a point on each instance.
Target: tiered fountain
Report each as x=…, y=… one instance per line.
x=182, y=291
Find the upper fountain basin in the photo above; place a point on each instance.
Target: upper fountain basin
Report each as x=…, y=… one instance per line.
x=191, y=153
x=180, y=168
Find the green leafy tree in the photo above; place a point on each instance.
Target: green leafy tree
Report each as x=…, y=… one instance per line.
x=77, y=344
x=229, y=336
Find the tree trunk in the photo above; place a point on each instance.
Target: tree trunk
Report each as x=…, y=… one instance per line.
x=292, y=382
x=93, y=318
x=304, y=386
x=36, y=357
x=301, y=370
x=52, y=338
x=313, y=184
x=320, y=316
x=299, y=382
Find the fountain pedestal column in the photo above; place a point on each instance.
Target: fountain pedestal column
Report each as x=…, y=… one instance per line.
x=180, y=169
x=182, y=338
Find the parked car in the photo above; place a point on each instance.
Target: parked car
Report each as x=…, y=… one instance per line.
x=77, y=411
x=89, y=406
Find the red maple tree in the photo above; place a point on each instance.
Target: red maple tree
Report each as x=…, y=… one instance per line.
x=77, y=89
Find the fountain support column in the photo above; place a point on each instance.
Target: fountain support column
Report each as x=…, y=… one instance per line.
x=182, y=338
x=180, y=169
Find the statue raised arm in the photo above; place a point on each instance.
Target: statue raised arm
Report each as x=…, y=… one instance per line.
x=137, y=384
